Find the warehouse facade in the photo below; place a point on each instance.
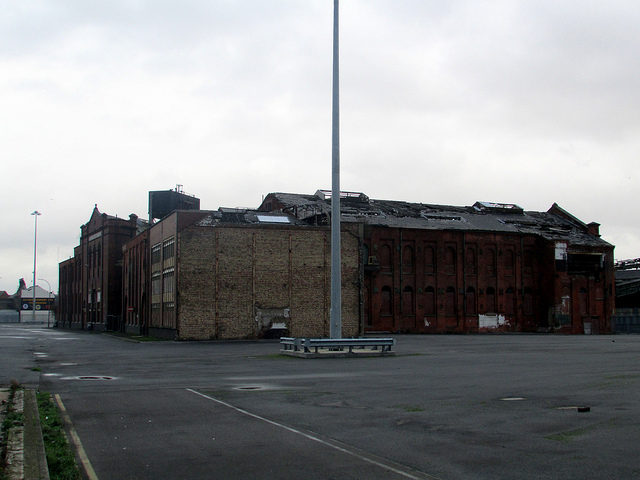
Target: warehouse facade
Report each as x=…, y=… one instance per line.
x=236, y=273
x=487, y=267
x=406, y=267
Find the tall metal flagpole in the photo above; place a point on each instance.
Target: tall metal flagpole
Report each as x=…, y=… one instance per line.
x=335, y=323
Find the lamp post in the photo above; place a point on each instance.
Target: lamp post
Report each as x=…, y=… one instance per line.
x=335, y=321
x=36, y=214
x=49, y=302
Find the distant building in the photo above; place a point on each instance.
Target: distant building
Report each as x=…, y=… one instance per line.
x=90, y=283
x=44, y=309
x=627, y=315
x=163, y=202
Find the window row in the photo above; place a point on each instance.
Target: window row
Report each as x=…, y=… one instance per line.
x=475, y=260
x=448, y=301
x=163, y=251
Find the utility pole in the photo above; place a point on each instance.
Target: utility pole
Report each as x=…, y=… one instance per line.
x=35, y=213
x=335, y=322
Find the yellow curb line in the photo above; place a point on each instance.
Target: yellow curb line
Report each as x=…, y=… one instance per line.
x=91, y=474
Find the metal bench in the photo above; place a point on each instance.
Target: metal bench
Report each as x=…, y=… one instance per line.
x=336, y=344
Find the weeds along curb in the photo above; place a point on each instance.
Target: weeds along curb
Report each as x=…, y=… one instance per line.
x=60, y=456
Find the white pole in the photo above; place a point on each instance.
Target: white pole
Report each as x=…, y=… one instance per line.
x=49, y=300
x=335, y=324
x=35, y=213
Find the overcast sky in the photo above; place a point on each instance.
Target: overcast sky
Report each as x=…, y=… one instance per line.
x=526, y=102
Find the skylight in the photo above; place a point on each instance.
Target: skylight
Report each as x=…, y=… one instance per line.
x=273, y=219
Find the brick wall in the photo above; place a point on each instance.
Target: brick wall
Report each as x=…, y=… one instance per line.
x=227, y=275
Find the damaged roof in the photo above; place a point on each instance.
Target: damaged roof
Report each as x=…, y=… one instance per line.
x=243, y=216
x=555, y=224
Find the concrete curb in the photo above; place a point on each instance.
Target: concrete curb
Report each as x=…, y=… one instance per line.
x=35, y=458
x=26, y=458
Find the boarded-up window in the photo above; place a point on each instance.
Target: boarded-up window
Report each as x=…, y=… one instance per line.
x=407, y=259
x=490, y=261
x=450, y=301
x=429, y=301
x=527, y=301
x=429, y=259
x=385, y=257
x=407, y=301
x=509, y=301
x=386, y=301
x=508, y=261
x=490, y=300
x=528, y=262
x=449, y=261
x=471, y=301
x=470, y=260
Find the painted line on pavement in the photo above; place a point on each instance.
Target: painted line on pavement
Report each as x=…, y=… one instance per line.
x=86, y=464
x=326, y=443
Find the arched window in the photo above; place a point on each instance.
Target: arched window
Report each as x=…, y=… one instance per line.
x=386, y=301
x=527, y=301
x=509, y=301
x=449, y=261
x=429, y=301
x=470, y=260
x=528, y=262
x=385, y=257
x=429, y=260
x=450, y=301
x=508, y=261
x=491, y=261
x=407, y=259
x=490, y=300
x=407, y=301
x=471, y=301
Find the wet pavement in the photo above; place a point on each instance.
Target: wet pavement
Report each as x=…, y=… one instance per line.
x=447, y=407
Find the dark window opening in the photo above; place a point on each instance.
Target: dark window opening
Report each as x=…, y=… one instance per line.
x=490, y=300
x=407, y=301
x=386, y=301
x=429, y=264
x=429, y=301
x=584, y=263
x=471, y=301
x=450, y=301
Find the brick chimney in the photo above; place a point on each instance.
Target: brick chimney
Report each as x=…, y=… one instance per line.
x=594, y=229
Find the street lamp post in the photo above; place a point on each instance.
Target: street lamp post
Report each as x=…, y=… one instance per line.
x=36, y=214
x=335, y=318
x=49, y=300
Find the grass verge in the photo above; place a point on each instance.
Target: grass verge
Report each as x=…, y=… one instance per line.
x=60, y=458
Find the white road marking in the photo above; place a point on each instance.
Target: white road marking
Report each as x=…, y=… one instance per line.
x=88, y=468
x=314, y=438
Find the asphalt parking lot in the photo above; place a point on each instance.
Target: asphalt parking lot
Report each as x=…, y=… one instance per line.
x=445, y=407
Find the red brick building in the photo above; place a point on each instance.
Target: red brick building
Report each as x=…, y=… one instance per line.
x=435, y=268
x=90, y=292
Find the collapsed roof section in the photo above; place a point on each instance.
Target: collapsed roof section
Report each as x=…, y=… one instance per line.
x=555, y=224
x=245, y=216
